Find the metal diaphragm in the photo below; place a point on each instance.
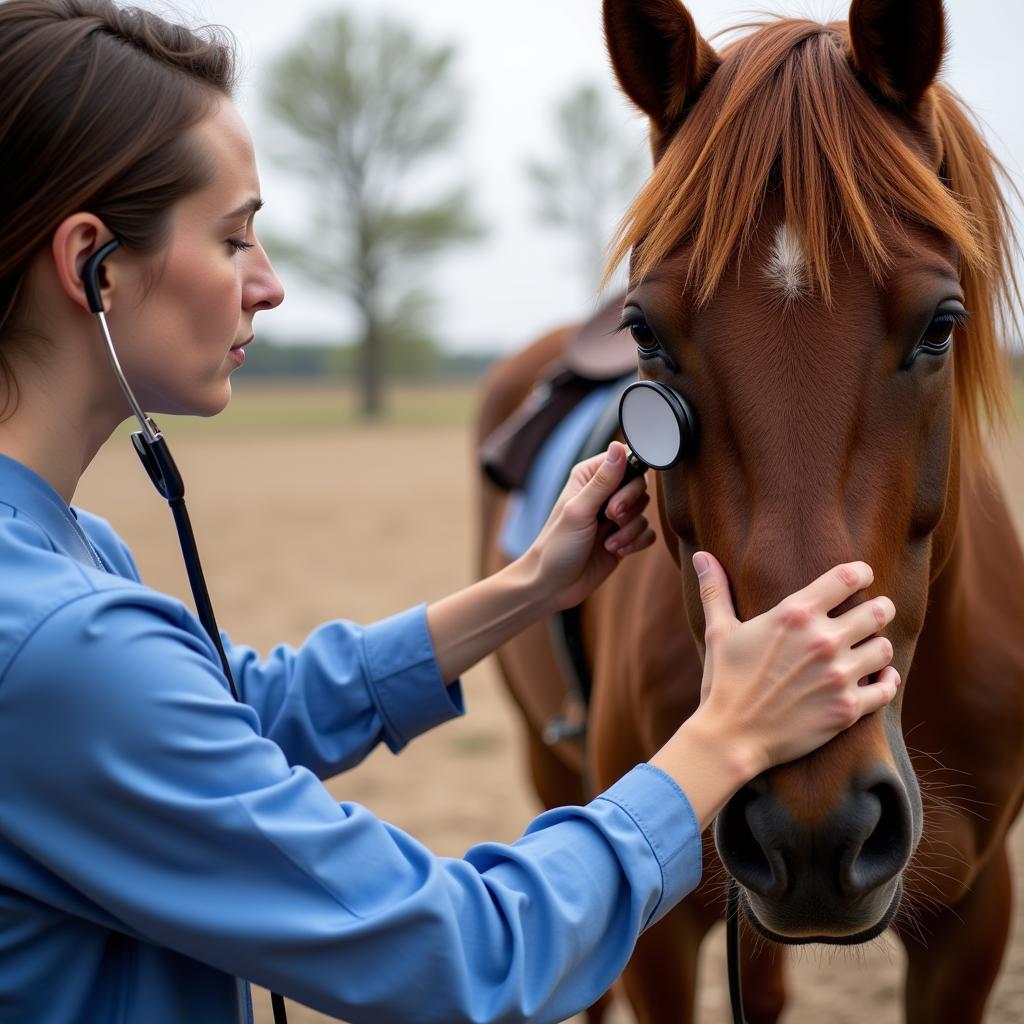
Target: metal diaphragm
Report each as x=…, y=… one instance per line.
x=658, y=424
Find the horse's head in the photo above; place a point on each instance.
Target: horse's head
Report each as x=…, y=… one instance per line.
x=821, y=222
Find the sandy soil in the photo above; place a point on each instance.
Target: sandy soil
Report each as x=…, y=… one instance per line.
x=295, y=530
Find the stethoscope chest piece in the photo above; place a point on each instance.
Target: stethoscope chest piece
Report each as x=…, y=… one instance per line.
x=658, y=424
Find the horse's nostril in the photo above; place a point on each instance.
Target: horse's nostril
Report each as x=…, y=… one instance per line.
x=743, y=853
x=884, y=851
x=835, y=861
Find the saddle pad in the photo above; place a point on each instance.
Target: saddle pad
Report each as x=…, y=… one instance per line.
x=527, y=510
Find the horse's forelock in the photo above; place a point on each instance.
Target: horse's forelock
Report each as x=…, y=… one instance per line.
x=785, y=113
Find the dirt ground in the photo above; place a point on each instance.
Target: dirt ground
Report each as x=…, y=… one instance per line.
x=295, y=529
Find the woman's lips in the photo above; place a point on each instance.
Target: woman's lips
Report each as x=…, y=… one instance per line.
x=237, y=352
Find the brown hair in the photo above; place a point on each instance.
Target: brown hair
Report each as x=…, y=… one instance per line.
x=785, y=109
x=95, y=103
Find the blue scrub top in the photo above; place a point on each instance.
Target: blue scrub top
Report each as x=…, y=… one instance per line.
x=159, y=841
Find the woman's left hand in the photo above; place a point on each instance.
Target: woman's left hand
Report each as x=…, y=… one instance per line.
x=574, y=553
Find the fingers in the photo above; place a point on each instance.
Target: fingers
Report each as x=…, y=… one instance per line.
x=602, y=484
x=628, y=534
x=876, y=695
x=835, y=586
x=645, y=540
x=719, y=614
x=628, y=500
x=872, y=656
x=583, y=472
x=865, y=619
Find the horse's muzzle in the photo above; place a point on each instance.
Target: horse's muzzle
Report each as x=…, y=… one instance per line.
x=835, y=879
x=758, y=913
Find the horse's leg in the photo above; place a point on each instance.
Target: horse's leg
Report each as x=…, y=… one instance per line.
x=951, y=971
x=661, y=977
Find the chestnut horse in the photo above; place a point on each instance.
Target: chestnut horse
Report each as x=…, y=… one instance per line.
x=820, y=263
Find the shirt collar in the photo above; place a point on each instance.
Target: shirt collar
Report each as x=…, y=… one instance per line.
x=32, y=496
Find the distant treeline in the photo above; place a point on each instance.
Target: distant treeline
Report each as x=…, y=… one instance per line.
x=406, y=363
x=411, y=363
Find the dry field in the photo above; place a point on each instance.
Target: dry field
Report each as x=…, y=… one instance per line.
x=302, y=516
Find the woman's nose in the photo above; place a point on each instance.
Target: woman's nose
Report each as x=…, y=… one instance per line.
x=263, y=288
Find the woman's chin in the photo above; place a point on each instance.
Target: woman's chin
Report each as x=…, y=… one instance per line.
x=209, y=402
x=216, y=404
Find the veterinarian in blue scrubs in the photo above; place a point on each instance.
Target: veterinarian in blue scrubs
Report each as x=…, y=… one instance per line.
x=159, y=841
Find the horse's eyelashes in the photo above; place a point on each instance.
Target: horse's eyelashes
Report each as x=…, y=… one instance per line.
x=937, y=340
x=643, y=335
x=640, y=330
x=940, y=330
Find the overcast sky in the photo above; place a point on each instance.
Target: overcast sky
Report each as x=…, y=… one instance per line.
x=516, y=59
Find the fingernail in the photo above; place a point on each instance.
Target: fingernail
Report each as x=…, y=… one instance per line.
x=614, y=455
x=701, y=563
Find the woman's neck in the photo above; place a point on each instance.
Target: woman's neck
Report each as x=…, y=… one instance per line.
x=57, y=424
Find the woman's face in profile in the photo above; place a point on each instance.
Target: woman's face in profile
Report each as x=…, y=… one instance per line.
x=180, y=338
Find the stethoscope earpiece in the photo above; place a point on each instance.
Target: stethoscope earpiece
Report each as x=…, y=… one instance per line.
x=91, y=275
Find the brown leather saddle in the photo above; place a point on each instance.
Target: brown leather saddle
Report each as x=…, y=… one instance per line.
x=595, y=355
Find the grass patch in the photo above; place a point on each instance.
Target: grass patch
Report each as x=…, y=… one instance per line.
x=314, y=408
x=474, y=743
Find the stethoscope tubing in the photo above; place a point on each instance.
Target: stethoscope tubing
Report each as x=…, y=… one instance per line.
x=155, y=455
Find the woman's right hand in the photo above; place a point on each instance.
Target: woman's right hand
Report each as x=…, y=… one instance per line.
x=779, y=685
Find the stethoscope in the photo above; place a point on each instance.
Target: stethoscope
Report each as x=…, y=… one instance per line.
x=151, y=447
x=658, y=424
x=659, y=427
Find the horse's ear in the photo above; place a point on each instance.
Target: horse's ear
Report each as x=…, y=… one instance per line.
x=898, y=46
x=659, y=57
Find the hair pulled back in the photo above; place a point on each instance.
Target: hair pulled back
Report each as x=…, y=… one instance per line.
x=95, y=103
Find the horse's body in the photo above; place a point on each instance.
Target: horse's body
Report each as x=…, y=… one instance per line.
x=819, y=444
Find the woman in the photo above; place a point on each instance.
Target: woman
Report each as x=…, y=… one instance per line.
x=159, y=840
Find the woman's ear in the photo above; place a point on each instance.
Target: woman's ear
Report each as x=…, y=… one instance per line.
x=76, y=239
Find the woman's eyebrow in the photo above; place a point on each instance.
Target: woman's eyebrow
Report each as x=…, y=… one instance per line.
x=248, y=208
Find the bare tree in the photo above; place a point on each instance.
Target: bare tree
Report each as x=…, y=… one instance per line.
x=585, y=186
x=368, y=110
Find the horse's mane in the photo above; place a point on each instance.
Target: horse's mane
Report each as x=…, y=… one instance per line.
x=785, y=113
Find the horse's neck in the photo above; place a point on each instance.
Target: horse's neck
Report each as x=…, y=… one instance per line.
x=985, y=562
x=970, y=654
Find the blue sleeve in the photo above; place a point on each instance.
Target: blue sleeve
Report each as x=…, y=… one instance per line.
x=346, y=689
x=187, y=828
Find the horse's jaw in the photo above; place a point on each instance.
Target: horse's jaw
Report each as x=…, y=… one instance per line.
x=770, y=922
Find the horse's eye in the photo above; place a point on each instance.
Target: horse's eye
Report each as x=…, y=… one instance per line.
x=940, y=331
x=643, y=335
x=938, y=338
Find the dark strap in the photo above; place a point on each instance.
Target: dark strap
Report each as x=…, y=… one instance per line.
x=507, y=454
x=593, y=355
x=732, y=944
x=566, y=627
x=159, y=464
